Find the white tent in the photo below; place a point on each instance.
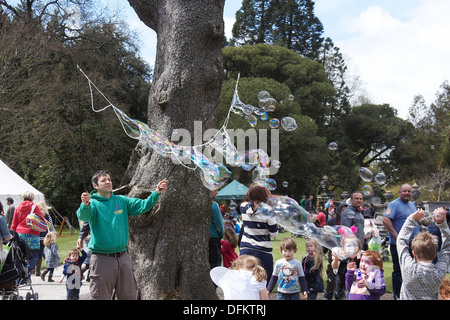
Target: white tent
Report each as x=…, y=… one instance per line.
x=12, y=185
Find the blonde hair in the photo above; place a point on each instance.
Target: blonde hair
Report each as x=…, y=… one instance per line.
x=424, y=246
x=252, y=264
x=318, y=262
x=50, y=238
x=43, y=207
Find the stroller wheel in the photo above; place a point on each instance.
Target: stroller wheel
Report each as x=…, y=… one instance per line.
x=36, y=296
x=28, y=296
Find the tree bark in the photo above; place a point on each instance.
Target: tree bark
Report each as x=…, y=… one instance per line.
x=169, y=245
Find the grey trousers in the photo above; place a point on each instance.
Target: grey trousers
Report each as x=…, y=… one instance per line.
x=108, y=274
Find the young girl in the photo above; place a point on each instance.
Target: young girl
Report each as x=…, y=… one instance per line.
x=244, y=280
x=367, y=281
x=229, y=243
x=52, y=259
x=349, y=252
x=313, y=268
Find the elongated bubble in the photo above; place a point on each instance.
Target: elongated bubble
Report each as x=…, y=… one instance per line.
x=365, y=174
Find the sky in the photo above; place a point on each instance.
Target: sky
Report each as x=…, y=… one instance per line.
x=397, y=48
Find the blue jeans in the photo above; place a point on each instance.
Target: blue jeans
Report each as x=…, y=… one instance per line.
x=73, y=294
x=288, y=296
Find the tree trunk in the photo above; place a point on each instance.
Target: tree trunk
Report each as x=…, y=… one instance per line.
x=169, y=246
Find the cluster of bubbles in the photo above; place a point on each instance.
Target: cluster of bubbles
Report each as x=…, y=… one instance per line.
x=266, y=104
x=290, y=215
x=364, y=173
x=367, y=175
x=213, y=175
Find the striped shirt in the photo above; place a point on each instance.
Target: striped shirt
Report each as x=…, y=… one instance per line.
x=258, y=229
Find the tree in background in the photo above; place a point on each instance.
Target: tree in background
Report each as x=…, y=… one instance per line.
x=46, y=122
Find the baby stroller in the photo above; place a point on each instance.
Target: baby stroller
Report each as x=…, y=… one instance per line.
x=15, y=273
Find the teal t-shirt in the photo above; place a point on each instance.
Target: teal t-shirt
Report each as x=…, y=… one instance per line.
x=108, y=219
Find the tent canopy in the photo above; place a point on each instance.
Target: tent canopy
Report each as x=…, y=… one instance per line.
x=12, y=185
x=233, y=191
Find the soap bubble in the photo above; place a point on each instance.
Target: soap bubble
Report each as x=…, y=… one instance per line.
x=332, y=146
x=247, y=109
x=291, y=97
x=266, y=104
x=380, y=178
x=274, y=123
x=285, y=184
x=263, y=95
x=264, y=116
x=276, y=163
x=259, y=174
x=271, y=184
x=291, y=216
x=252, y=120
x=288, y=123
x=252, y=158
x=365, y=174
x=367, y=190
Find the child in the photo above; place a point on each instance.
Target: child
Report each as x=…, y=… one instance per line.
x=350, y=252
x=51, y=256
x=422, y=278
x=367, y=282
x=229, y=243
x=444, y=289
x=72, y=269
x=244, y=280
x=288, y=272
x=313, y=268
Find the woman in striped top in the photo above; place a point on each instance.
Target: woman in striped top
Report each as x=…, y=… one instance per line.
x=257, y=229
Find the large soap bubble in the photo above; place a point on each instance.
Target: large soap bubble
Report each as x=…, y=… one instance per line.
x=263, y=95
x=365, y=174
x=291, y=216
x=380, y=178
x=288, y=123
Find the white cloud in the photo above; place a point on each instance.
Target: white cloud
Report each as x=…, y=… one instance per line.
x=399, y=58
x=228, y=21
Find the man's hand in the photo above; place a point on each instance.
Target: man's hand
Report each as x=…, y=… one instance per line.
x=162, y=186
x=85, y=197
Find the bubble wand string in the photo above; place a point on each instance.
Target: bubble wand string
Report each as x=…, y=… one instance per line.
x=141, y=131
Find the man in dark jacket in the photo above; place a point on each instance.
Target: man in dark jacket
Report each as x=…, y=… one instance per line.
x=352, y=216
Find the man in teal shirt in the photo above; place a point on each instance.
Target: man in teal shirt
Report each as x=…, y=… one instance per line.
x=107, y=214
x=216, y=232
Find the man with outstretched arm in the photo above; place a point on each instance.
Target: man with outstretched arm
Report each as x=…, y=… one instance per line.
x=107, y=215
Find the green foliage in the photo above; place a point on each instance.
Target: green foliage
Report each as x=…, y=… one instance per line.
x=51, y=135
x=291, y=24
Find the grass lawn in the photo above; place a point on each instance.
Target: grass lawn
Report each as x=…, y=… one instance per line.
x=65, y=243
